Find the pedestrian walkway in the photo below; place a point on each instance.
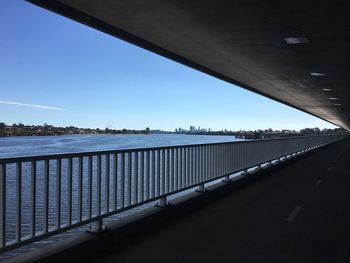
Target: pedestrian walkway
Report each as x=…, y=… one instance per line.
x=300, y=213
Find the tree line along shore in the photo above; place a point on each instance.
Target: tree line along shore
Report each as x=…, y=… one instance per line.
x=47, y=130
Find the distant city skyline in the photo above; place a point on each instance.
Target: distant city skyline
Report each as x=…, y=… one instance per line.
x=191, y=129
x=57, y=71
x=21, y=129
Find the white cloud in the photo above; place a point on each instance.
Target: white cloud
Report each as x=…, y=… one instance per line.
x=30, y=105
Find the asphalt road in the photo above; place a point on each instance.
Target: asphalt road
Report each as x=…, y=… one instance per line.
x=298, y=214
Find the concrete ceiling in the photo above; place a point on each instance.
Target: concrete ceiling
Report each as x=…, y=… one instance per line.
x=242, y=42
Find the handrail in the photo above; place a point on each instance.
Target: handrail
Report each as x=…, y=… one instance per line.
x=41, y=196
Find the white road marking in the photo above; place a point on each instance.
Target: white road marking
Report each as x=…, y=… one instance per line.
x=318, y=183
x=293, y=214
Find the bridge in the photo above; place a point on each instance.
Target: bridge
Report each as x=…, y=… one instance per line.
x=293, y=52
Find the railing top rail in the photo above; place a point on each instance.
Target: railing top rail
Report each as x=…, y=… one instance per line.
x=128, y=150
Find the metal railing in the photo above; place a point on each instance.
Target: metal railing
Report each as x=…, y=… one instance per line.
x=41, y=196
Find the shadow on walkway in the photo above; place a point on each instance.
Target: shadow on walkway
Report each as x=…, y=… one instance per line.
x=300, y=213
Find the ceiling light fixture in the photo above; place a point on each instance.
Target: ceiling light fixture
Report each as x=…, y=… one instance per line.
x=317, y=74
x=296, y=40
x=327, y=89
x=336, y=104
x=332, y=98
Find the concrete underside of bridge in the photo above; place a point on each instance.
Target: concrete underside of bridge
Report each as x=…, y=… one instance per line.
x=241, y=42
x=296, y=211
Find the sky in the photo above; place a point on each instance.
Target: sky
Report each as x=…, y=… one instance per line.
x=54, y=70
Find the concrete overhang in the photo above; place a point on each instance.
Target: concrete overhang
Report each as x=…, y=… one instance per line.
x=295, y=52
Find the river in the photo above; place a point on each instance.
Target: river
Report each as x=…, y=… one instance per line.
x=42, y=145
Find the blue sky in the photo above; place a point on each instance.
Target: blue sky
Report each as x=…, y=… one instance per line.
x=54, y=70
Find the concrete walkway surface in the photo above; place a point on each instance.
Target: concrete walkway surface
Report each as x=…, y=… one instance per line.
x=300, y=213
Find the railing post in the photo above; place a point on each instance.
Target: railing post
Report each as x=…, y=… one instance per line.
x=226, y=179
x=18, y=221
x=245, y=172
x=201, y=188
x=97, y=226
x=2, y=205
x=162, y=202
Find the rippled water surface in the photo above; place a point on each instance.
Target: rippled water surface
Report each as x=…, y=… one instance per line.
x=29, y=146
x=39, y=145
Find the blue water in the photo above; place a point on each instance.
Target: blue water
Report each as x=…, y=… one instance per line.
x=42, y=145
